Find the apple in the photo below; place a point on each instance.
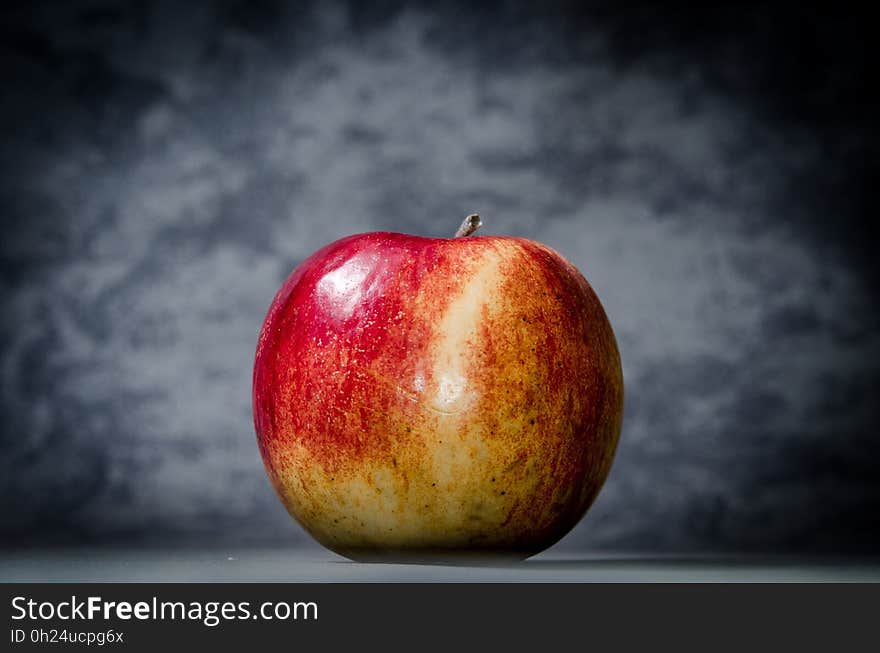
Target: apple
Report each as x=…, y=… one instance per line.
x=433, y=398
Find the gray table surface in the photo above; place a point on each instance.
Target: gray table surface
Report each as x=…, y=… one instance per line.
x=282, y=565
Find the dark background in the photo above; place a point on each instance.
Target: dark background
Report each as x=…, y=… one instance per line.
x=165, y=165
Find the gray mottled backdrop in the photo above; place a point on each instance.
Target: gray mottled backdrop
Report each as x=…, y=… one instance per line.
x=163, y=170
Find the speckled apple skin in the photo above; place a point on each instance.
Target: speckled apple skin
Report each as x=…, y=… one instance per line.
x=423, y=398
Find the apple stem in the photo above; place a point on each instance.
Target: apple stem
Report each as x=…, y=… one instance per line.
x=469, y=226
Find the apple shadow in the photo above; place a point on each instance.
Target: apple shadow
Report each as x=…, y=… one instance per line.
x=617, y=563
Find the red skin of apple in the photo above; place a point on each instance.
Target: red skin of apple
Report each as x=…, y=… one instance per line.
x=425, y=397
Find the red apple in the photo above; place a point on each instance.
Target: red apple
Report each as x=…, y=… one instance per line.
x=434, y=397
